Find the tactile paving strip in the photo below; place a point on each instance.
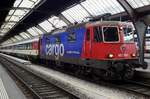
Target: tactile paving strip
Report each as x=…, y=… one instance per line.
x=3, y=93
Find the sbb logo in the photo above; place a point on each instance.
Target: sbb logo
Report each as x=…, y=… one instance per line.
x=55, y=49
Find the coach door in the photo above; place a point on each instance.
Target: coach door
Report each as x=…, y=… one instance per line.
x=88, y=44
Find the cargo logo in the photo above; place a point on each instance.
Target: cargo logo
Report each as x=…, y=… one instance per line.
x=55, y=49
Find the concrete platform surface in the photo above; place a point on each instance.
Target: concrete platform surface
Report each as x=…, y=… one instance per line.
x=25, y=62
x=145, y=70
x=80, y=88
x=8, y=88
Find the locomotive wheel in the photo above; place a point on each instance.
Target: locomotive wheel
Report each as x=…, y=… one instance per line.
x=108, y=74
x=128, y=72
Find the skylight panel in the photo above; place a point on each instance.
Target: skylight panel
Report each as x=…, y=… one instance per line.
x=98, y=7
x=18, y=37
x=14, y=18
x=2, y=34
x=17, y=2
x=16, y=14
x=46, y=26
x=23, y=35
x=146, y=2
x=19, y=12
x=29, y=3
x=10, y=25
x=57, y=22
x=7, y=18
x=11, y=12
x=29, y=36
x=8, y=41
x=26, y=3
x=76, y=14
x=3, y=26
x=5, y=43
x=38, y=31
x=32, y=32
x=138, y=3
x=7, y=25
x=14, y=39
x=4, y=30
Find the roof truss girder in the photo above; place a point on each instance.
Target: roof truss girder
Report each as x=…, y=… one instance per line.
x=128, y=8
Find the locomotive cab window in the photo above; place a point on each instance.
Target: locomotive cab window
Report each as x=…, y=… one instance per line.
x=97, y=34
x=88, y=35
x=72, y=37
x=128, y=34
x=110, y=34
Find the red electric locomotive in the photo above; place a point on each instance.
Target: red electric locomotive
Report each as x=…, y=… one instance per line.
x=110, y=46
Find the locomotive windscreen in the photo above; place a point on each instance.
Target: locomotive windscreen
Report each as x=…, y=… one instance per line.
x=110, y=34
x=128, y=32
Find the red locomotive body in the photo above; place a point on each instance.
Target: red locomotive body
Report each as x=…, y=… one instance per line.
x=110, y=47
x=109, y=41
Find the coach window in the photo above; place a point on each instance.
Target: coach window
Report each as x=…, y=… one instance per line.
x=72, y=37
x=28, y=46
x=88, y=35
x=97, y=34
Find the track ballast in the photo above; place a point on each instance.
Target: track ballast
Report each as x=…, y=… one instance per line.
x=39, y=88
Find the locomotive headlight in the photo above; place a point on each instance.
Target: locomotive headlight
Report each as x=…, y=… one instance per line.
x=121, y=28
x=133, y=55
x=110, y=55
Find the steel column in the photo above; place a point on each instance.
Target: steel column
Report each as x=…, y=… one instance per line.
x=140, y=27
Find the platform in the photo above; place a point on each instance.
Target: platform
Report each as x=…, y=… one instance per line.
x=145, y=70
x=148, y=61
x=8, y=88
x=78, y=87
x=144, y=73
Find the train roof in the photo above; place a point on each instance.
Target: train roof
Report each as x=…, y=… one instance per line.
x=97, y=23
x=84, y=24
x=23, y=42
x=88, y=24
x=107, y=23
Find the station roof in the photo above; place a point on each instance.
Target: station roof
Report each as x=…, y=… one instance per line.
x=5, y=6
x=26, y=19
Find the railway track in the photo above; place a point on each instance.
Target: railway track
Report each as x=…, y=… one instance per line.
x=136, y=85
x=141, y=86
x=38, y=88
